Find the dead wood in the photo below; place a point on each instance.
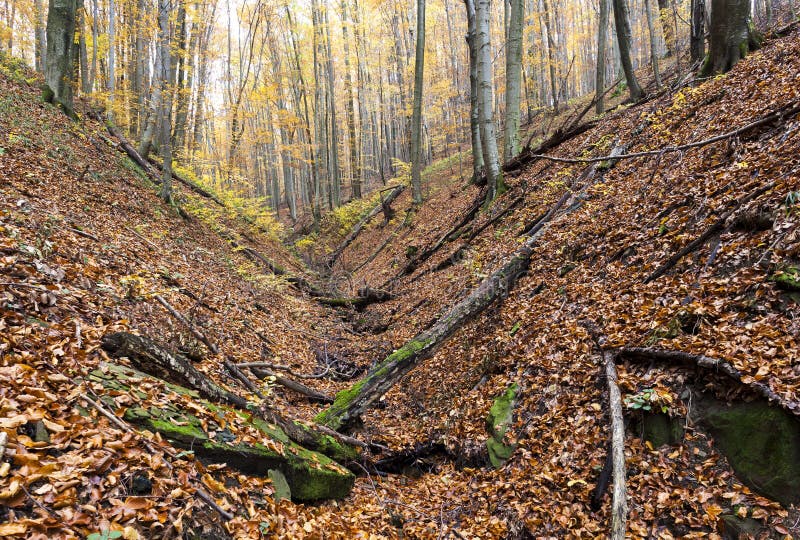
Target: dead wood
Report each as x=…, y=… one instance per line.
x=715, y=228
x=149, y=357
x=188, y=183
x=261, y=370
x=714, y=364
x=619, y=505
x=449, y=236
x=383, y=205
x=298, y=281
x=366, y=297
x=350, y=404
x=528, y=156
x=195, y=332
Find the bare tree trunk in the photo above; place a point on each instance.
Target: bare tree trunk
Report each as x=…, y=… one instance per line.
x=355, y=169
x=623, y=25
x=600, y=71
x=112, y=57
x=166, y=99
x=513, y=78
x=82, y=53
x=653, y=44
x=731, y=35
x=491, y=158
x=58, y=59
x=664, y=16
x=551, y=61
x=333, y=140
x=697, y=39
x=474, y=113
x=39, y=39
x=416, y=117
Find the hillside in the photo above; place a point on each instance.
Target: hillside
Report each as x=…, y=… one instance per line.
x=87, y=246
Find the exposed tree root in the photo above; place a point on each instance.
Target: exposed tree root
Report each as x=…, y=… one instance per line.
x=714, y=364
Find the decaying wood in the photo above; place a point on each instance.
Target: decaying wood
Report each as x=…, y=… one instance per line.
x=194, y=331
x=188, y=183
x=382, y=205
x=149, y=357
x=714, y=229
x=528, y=156
x=260, y=370
x=235, y=372
x=366, y=297
x=619, y=504
x=3, y=443
x=713, y=364
x=124, y=426
x=298, y=281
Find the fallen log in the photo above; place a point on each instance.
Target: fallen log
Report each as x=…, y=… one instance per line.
x=298, y=281
x=366, y=297
x=194, y=331
x=188, y=183
x=261, y=370
x=619, y=504
x=382, y=205
x=714, y=364
x=149, y=357
x=529, y=155
x=350, y=404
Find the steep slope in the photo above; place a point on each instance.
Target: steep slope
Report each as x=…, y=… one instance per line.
x=722, y=299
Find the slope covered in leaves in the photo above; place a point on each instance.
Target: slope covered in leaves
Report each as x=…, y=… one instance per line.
x=720, y=300
x=86, y=245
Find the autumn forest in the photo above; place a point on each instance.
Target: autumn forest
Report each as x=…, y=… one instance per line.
x=383, y=269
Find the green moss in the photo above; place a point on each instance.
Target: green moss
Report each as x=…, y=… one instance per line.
x=498, y=421
x=787, y=278
x=762, y=444
x=333, y=416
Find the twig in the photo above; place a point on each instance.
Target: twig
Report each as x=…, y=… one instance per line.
x=3, y=443
x=195, y=332
x=787, y=110
x=142, y=238
x=83, y=233
x=78, y=332
x=234, y=370
x=209, y=500
x=281, y=367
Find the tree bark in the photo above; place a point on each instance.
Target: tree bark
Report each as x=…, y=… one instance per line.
x=58, y=59
x=664, y=15
x=474, y=113
x=697, y=39
x=623, y=25
x=653, y=50
x=513, y=79
x=731, y=35
x=416, y=115
x=166, y=99
x=600, y=71
x=491, y=157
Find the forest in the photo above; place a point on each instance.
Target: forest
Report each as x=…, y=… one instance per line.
x=375, y=269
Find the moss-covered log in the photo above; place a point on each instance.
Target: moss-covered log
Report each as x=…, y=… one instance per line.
x=383, y=205
x=149, y=357
x=351, y=403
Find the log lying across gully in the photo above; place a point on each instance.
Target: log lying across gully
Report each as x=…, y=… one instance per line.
x=383, y=205
x=350, y=404
x=149, y=357
x=366, y=296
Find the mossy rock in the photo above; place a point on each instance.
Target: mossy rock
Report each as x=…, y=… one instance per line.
x=310, y=475
x=762, y=444
x=499, y=419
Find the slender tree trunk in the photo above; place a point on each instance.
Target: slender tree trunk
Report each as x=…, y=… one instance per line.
x=333, y=130
x=474, y=113
x=39, y=39
x=58, y=59
x=82, y=53
x=355, y=169
x=551, y=60
x=623, y=25
x=491, y=158
x=95, y=31
x=513, y=78
x=653, y=44
x=416, y=117
x=600, y=71
x=166, y=98
x=112, y=57
x=697, y=40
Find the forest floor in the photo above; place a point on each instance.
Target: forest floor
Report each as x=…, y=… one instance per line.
x=86, y=246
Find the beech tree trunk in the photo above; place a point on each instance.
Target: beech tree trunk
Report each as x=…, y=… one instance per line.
x=166, y=99
x=58, y=59
x=474, y=113
x=653, y=43
x=416, y=115
x=697, y=40
x=664, y=15
x=731, y=35
x=513, y=78
x=491, y=157
x=623, y=25
x=600, y=73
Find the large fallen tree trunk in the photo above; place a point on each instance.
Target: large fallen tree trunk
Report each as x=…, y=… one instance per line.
x=350, y=404
x=366, y=297
x=383, y=205
x=149, y=357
